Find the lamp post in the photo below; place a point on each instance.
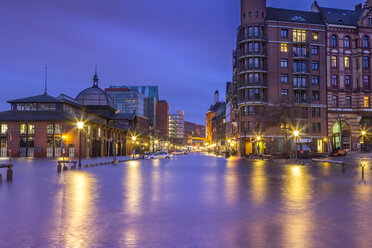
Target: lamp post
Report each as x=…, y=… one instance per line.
x=363, y=135
x=80, y=126
x=134, y=138
x=258, y=138
x=296, y=133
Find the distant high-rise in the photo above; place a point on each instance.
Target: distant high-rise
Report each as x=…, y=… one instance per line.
x=177, y=125
x=162, y=119
x=127, y=101
x=216, y=97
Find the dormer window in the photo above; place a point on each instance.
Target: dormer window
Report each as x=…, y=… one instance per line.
x=297, y=18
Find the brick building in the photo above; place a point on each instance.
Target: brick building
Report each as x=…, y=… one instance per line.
x=162, y=119
x=38, y=126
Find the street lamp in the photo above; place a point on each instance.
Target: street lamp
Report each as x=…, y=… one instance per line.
x=296, y=134
x=80, y=126
x=363, y=135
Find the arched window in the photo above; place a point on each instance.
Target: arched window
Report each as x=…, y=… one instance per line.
x=365, y=42
x=334, y=41
x=297, y=18
x=347, y=41
x=50, y=129
x=58, y=129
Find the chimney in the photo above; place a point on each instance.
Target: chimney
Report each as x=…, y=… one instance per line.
x=358, y=7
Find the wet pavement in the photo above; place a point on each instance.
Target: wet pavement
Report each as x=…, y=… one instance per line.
x=188, y=201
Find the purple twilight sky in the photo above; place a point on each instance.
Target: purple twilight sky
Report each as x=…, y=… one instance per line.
x=184, y=47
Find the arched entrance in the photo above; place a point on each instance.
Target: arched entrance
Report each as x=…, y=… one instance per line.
x=341, y=135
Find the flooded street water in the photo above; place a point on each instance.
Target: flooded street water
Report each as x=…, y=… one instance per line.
x=188, y=201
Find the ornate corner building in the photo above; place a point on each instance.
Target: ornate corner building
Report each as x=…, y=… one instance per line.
x=305, y=71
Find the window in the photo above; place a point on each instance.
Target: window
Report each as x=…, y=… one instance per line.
x=347, y=81
x=347, y=41
x=256, y=30
x=250, y=110
x=284, y=33
x=315, y=36
x=297, y=18
x=299, y=66
x=370, y=22
x=365, y=42
x=333, y=61
x=347, y=62
x=334, y=101
x=299, y=81
x=31, y=129
x=315, y=127
x=316, y=95
x=299, y=35
x=315, y=80
x=315, y=65
x=250, y=126
x=256, y=13
x=250, y=62
x=245, y=111
x=257, y=110
x=4, y=129
x=256, y=47
x=256, y=77
x=99, y=132
x=366, y=101
x=315, y=112
x=58, y=129
x=333, y=41
x=283, y=47
x=366, y=82
x=348, y=101
x=284, y=78
x=257, y=126
x=365, y=62
x=250, y=31
x=284, y=93
x=334, y=80
x=256, y=62
x=299, y=51
x=22, y=129
x=284, y=63
x=50, y=129
x=315, y=50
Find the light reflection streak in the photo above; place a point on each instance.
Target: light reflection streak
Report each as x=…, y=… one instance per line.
x=231, y=182
x=259, y=182
x=297, y=193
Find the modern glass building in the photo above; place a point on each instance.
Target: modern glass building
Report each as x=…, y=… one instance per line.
x=127, y=101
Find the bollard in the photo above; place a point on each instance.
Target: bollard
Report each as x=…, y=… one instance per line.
x=96, y=164
x=86, y=166
x=1, y=178
x=65, y=168
x=101, y=163
x=59, y=168
x=9, y=174
x=362, y=170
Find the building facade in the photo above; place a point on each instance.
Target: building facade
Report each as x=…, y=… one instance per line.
x=177, y=126
x=281, y=80
x=127, y=101
x=348, y=63
x=162, y=119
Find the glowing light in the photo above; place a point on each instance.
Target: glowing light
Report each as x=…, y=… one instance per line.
x=156, y=142
x=63, y=137
x=325, y=139
x=296, y=133
x=134, y=138
x=80, y=124
x=363, y=132
x=258, y=138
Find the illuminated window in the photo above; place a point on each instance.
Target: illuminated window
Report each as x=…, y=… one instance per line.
x=283, y=47
x=22, y=129
x=333, y=61
x=315, y=36
x=31, y=129
x=366, y=101
x=50, y=129
x=299, y=35
x=99, y=132
x=4, y=128
x=58, y=129
x=347, y=62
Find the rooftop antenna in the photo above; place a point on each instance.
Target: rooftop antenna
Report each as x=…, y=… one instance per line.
x=46, y=82
x=95, y=78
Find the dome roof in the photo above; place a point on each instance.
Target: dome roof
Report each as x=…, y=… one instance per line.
x=95, y=96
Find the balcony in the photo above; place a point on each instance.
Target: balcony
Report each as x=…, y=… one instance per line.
x=254, y=99
x=301, y=86
x=301, y=41
x=253, y=68
x=302, y=101
x=247, y=37
x=253, y=53
x=247, y=83
x=300, y=71
x=299, y=55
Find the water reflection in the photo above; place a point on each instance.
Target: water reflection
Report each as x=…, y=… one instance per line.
x=132, y=185
x=77, y=210
x=258, y=180
x=231, y=182
x=298, y=222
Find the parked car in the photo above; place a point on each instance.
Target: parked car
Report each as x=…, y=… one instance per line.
x=159, y=155
x=338, y=152
x=179, y=152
